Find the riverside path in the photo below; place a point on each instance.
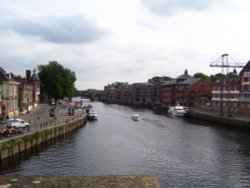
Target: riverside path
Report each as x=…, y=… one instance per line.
x=39, y=117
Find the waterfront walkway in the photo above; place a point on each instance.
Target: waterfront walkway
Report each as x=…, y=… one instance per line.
x=39, y=117
x=236, y=120
x=225, y=115
x=142, y=181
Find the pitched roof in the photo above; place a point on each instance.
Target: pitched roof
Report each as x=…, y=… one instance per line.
x=144, y=83
x=34, y=76
x=234, y=78
x=246, y=67
x=170, y=82
x=3, y=76
x=189, y=81
x=184, y=76
x=2, y=70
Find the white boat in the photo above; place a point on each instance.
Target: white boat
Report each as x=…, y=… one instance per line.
x=177, y=110
x=92, y=115
x=135, y=117
x=170, y=109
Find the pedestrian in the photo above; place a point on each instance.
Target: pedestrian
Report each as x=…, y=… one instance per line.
x=28, y=128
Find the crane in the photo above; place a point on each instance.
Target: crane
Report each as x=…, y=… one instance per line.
x=223, y=62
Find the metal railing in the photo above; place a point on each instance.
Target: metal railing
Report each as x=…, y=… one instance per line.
x=38, y=123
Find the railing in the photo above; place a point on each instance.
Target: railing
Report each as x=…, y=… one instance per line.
x=61, y=117
x=244, y=99
x=37, y=123
x=225, y=99
x=225, y=92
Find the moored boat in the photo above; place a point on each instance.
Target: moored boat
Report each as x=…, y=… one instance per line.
x=177, y=110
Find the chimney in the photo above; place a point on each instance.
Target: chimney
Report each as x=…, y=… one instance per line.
x=28, y=74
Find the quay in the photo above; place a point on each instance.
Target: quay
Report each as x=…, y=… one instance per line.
x=143, y=181
x=42, y=129
x=224, y=120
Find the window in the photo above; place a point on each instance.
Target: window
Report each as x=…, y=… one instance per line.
x=246, y=74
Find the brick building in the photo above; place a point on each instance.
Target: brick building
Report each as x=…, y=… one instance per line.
x=245, y=89
x=225, y=94
x=142, y=93
x=231, y=95
x=29, y=91
x=186, y=90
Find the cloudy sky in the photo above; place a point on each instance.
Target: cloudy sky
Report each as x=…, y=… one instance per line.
x=104, y=41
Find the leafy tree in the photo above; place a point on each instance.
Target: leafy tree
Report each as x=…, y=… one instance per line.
x=157, y=79
x=216, y=77
x=118, y=84
x=56, y=81
x=201, y=75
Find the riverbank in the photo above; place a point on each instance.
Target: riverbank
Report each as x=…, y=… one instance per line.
x=15, y=145
x=225, y=120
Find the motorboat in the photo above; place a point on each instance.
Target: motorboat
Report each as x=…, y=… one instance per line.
x=92, y=115
x=177, y=110
x=171, y=109
x=135, y=117
x=89, y=106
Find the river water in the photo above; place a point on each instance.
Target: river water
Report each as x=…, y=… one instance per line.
x=179, y=152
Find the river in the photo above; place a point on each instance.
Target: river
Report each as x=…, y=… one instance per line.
x=179, y=152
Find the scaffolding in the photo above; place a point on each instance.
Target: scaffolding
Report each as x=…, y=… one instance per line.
x=225, y=62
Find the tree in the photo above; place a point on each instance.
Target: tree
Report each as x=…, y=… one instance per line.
x=56, y=81
x=156, y=79
x=201, y=75
x=216, y=77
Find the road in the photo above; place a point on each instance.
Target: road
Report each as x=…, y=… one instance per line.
x=39, y=117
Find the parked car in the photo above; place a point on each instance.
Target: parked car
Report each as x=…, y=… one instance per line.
x=1, y=124
x=17, y=123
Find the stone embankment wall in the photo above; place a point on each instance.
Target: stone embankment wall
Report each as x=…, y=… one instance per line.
x=223, y=120
x=12, y=146
x=143, y=181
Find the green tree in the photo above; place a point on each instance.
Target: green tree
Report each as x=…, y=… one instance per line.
x=216, y=77
x=56, y=81
x=157, y=79
x=201, y=75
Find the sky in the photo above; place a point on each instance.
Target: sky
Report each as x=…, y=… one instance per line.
x=105, y=41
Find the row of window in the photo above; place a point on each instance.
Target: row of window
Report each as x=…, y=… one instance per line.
x=231, y=96
x=232, y=104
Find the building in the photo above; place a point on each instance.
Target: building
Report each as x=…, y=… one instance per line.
x=187, y=91
x=142, y=93
x=109, y=94
x=231, y=94
x=9, y=95
x=36, y=84
x=245, y=89
x=226, y=94
x=29, y=91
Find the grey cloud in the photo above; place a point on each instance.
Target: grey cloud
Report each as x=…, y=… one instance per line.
x=169, y=7
x=66, y=29
x=16, y=64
